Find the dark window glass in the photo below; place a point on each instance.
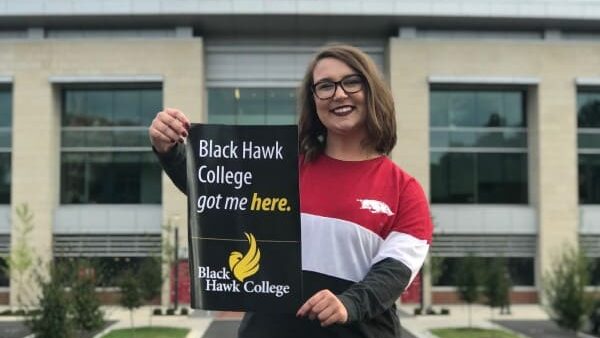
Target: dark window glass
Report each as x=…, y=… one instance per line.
x=110, y=118
x=448, y=138
x=482, y=178
x=477, y=108
x=502, y=178
x=5, y=176
x=487, y=122
x=107, y=271
x=5, y=108
x=594, y=263
x=4, y=278
x=588, y=109
x=127, y=109
x=110, y=107
x=252, y=106
x=589, y=178
x=521, y=270
x=110, y=178
x=588, y=117
x=5, y=142
x=452, y=178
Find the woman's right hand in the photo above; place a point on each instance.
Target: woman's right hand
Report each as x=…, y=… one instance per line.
x=168, y=127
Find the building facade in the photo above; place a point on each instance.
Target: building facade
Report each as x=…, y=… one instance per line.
x=497, y=103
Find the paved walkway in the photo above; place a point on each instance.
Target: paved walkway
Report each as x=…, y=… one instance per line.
x=481, y=316
x=537, y=329
x=529, y=320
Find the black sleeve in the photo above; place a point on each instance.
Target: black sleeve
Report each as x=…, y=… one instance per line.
x=173, y=163
x=377, y=292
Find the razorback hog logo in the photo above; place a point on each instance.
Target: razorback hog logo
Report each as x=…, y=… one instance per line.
x=375, y=207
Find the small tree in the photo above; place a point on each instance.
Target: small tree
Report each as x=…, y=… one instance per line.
x=168, y=249
x=467, y=280
x=87, y=315
x=22, y=258
x=52, y=320
x=131, y=295
x=437, y=268
x=150, y=273
x=564, y=287
x=497, y=284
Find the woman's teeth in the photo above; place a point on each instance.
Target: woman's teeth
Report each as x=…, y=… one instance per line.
x=342, y=110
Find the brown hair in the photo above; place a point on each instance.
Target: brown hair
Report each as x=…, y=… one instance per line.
x=381, y=116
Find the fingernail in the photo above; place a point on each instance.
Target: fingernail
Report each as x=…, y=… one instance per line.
x=185, y=134
x=181, y=140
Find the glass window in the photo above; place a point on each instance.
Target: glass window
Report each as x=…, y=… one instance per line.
x=588, y=143
x=588, y=109
x=5, y=144
x=5, y=107
x=589, y=178
x=521, y=270
x=452, y=178
x=4, y=278
x=106, y=155
x=594, y=263
x=478, y=141
x=502, y=178
x=110, y=177
x=252, y=106
x=5, y=176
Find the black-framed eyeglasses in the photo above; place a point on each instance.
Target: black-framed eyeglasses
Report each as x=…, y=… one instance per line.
x=350, y=84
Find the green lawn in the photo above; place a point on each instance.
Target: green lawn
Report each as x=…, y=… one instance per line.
x=149, y=332
x=465, y=332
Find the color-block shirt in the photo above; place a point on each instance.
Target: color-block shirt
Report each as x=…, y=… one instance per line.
x=366, y=230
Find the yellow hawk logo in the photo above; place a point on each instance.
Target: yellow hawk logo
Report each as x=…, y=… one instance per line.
x=244, y=266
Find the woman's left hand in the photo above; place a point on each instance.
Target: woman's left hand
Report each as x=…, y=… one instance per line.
x=326, y=307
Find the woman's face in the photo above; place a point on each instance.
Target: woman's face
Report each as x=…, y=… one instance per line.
x=344, y=113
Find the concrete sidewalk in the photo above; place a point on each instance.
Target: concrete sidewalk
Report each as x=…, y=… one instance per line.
x=197, y=321
x=420, y=326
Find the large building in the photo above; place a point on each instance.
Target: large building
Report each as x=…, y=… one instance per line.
x=497, y=102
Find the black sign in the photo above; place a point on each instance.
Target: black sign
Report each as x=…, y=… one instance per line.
x=244, y=218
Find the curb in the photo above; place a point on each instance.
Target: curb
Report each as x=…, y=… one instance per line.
x=194, y=334
x=105, y=331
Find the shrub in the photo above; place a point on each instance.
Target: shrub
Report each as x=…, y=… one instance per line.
x=445, y=311
x=170, y=312
x=497, y=284
x=595, y=318
x=53, y=319
x=150, y=272
x=418, y=311
x=87, y=314
x=131, y=296
x=157, y=312
x=184, y=311
x=468, y=279
x=564, y=286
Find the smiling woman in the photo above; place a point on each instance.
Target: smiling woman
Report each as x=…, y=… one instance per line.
x=365, y=223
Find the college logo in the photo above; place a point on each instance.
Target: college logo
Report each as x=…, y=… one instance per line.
x=244, y=266
x=241, y=266
x=375, y=207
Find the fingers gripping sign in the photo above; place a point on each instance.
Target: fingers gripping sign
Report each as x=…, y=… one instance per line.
x=326, y=307
x=168, y=127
